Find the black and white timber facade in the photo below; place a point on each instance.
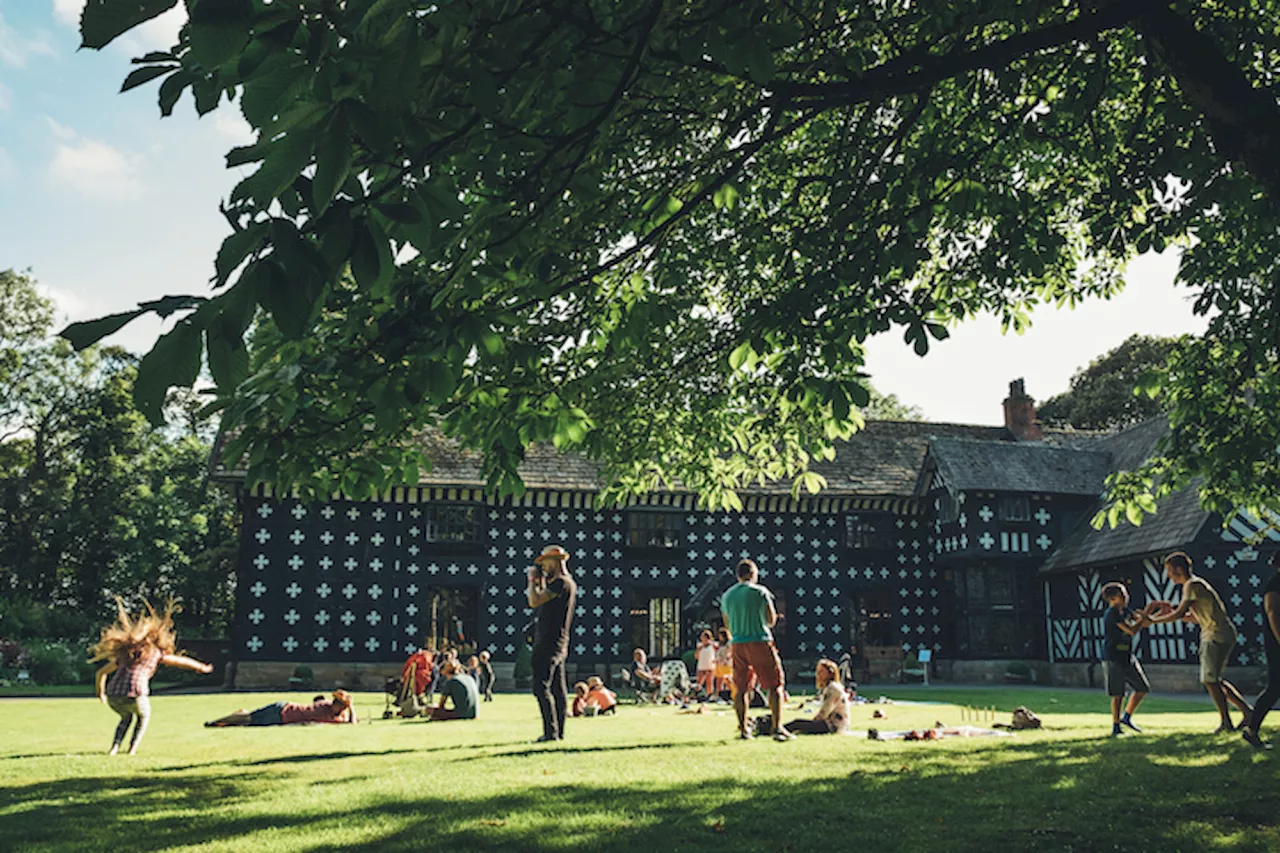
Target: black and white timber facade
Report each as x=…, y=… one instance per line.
x=971, y=541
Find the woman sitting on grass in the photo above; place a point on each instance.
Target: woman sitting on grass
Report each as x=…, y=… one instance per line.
x=339, y=709
x=579, y=699
x=600, y=696
x=833, y=716
x=134, y=647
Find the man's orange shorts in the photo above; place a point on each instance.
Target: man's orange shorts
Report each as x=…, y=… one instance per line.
x=760, y=658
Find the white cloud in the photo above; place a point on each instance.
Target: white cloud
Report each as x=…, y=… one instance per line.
x=59, y=130
x=229, y=123
x=6, y=98
x=71, y=307
x=160, y=33
x=93, y=168
x=68, y=11
x=7, y=168
x=16, y=48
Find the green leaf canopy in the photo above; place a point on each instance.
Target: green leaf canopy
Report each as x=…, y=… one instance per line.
x=660, y=234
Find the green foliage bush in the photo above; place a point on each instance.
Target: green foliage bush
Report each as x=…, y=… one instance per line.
x=1018, y=669
x=53, y=662
x=23, y=619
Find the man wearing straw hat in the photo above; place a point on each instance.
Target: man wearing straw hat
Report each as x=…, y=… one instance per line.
x=552, y=595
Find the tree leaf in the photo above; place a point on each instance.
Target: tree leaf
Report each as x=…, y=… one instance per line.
x=173, y=361
x=219, y=29
x=228, y=357
x=104, y=20
x=334, y=154
x=284, y=162
x=291, y=301
x=85, y=334
x=236, y=247
x=370, y=256
x=171, y=90
x=144, y=75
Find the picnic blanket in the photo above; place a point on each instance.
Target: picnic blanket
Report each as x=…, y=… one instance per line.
x=938, y=733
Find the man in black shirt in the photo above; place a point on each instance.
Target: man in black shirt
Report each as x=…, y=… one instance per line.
x=1252, y=729
x=1122, y=624
x=553, y=596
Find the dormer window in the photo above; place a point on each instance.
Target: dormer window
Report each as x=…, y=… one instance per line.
x=948, y=508
x=1015, y=508
x=865, y=530
x=654, y=531
x=454, y=525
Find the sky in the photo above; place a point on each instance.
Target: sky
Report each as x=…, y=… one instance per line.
x=108, y=205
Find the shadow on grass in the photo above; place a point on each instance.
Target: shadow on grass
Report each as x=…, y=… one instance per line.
x=1176, y=792
x=560, y=749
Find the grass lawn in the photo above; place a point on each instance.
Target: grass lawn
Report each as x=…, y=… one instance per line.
x=646, y=780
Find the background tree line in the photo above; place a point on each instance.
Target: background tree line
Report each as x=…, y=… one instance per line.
x=94, y=502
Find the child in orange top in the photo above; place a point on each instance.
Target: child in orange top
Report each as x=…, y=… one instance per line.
x=579, y=699
x=600, y=696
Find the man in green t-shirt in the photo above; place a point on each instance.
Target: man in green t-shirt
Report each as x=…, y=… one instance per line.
x=749, y=614
x=461, y=690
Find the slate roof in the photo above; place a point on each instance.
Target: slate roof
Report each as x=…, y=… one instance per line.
x=968, y=465
x=882, y=460
x=885, y=458
x=1178, y=519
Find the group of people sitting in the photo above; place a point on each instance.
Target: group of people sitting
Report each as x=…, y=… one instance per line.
x=460, y=688
x=591, y=698
x=670, y=682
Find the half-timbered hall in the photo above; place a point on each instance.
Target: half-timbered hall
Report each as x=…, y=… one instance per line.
x=971, y=541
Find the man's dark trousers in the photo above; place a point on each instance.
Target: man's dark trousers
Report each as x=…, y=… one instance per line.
x=551, y=689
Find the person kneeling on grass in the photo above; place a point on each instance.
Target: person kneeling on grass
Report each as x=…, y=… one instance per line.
x=460, y=689
x=833, y=715
x=339, y=709
x=1121, y=626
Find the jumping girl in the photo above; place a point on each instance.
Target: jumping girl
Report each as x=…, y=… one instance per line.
x=134, y=647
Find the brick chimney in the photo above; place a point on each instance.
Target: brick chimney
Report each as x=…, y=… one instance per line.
x=1020, y=413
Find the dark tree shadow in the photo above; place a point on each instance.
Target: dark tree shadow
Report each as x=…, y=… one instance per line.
x=1150, y=793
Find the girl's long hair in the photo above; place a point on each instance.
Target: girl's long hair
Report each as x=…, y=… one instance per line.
x=129, y=638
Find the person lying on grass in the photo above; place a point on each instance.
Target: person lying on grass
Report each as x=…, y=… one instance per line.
x=460, y=689
x=833, y=715
x=133, y=648
x=339, y=709
x=1121, y=626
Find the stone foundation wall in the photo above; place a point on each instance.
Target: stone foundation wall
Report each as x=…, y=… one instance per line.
x=987, y=671
x=275, y=675
x=1164, y=677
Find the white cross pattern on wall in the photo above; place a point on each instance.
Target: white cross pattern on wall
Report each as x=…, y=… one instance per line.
x=254, y=643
